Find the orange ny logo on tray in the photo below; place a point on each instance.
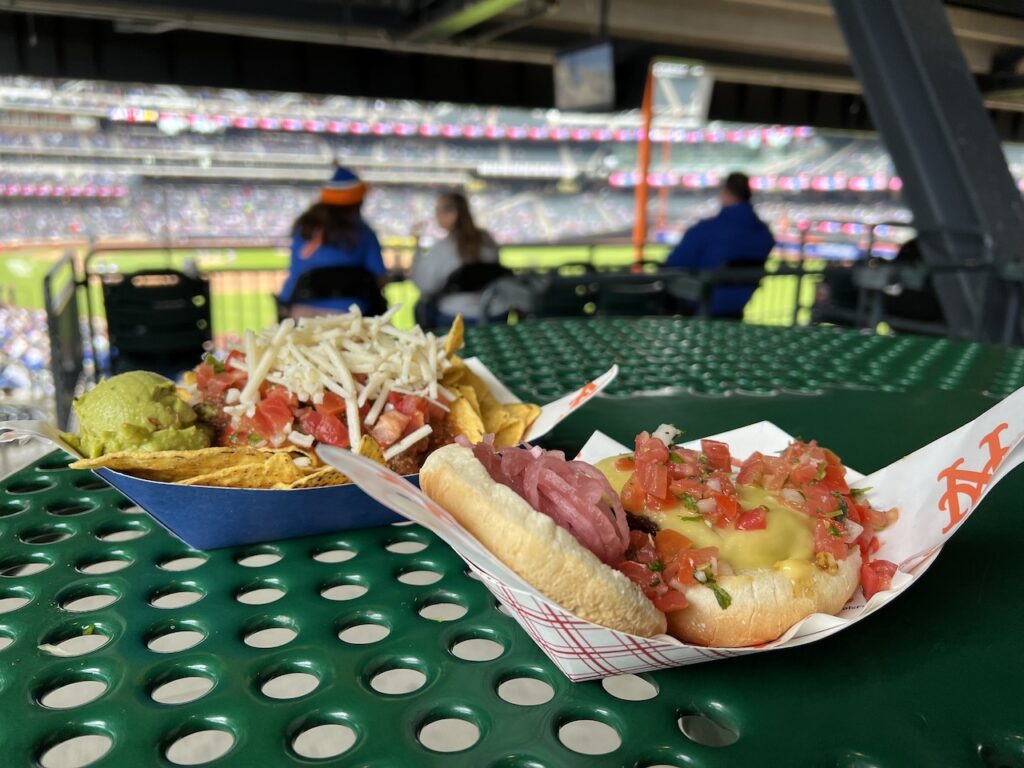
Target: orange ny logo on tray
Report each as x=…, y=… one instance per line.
x=970, y=482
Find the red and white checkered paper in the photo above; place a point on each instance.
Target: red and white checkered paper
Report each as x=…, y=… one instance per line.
x=935, y=488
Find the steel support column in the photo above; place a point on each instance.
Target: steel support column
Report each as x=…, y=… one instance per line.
x=925, y=103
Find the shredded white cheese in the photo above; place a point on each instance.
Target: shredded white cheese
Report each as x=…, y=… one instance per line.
x=411, y=439
x=360, y=359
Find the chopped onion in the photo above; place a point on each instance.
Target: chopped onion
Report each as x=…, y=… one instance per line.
x=304, y=441
x=853, y=530
x=707, y=506
x=715, y=484
x=667, y=434
x=792, y=496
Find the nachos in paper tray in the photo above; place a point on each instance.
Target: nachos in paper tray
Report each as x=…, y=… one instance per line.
x=623, y=561
x=219, y=459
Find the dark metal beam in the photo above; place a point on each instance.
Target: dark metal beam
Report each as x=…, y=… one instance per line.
x=924, y=101
x=457, y=20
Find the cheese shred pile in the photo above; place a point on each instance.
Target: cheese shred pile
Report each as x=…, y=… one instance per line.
x=361, y=359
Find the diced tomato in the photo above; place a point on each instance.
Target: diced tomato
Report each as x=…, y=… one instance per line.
x=717, y=454
x=828, y=537
x=752, y=470
x=725, y=483
x=687, y=485
x=876, y=576
x=670, y=543
x=641, y=547
x=204, y=372
x=625, y=464
x=878, y=519
x=776, y=472
x=273, y=418
x=727, y=507
x=803, y=473
x=632, y=495
x=819, y=499
x=672, y=600
x=752, y=519
x=333, y=405
x=325, y=428
x=836, y=476
x=693, y=560
x=641, y=574
x=389, y=428
x=653, y=477
x=408, y=404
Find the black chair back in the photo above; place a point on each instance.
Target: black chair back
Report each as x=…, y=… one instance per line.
x=337, y=283
x=474, y=278
x=157, y=319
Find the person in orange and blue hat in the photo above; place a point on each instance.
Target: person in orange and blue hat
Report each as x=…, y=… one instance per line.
x=332, y=234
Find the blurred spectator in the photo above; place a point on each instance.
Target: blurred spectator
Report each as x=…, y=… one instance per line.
x=464, y=248
x=736, y=236
x=332, y=234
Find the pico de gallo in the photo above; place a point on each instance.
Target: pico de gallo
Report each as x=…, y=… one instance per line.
x=668, y=482
x=279, y=417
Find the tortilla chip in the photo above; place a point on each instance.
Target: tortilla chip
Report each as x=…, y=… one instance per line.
x=469, y=394
x=510, y=435
x=276, y=468
x=369, y=448
x=454, y=374
x=321, y=478
x=525, y=412
x=465, y=420
x=454, y=340
x=174, y=466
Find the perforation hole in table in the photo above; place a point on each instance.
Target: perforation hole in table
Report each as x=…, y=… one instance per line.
x=70, y=508
x=200, y=747
x=92, y=596
x=258, y=557
x=420, y=578
x=24, y=565
x=589, y=737
x=181, y=684
x=630, y=687
x=40, y=535
x=76, y=751
x=334, y=555
x=260, y=592
x=182, y=563
x=290, y=685
x=176, y=596
x=702, y=729
x=270, y=632
x=103, y=564
x=128, y=530
x=525, y=691
x=448, y=734
x=69, y=695
x=14, y=597
x=324, y=741
x=173, y=640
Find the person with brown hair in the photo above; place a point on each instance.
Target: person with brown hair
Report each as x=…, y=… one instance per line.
x=332, y=236
x=449, y=275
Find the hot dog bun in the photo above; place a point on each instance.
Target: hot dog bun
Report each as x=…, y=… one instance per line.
x=765, y=603
x=531, y=544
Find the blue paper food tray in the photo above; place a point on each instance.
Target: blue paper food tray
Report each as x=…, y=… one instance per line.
x=209, y=518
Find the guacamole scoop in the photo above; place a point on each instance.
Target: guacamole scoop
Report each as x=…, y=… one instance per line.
x=135, y=411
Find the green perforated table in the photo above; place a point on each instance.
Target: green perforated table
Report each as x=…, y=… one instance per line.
x=331, y=622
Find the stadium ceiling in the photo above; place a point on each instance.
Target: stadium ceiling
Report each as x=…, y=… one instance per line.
x=774, y=60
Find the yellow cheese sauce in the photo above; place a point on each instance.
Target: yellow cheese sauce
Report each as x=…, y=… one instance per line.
x=786, y=542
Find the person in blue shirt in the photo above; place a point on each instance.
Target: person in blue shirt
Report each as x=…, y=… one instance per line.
x=332, y=233
x=736, y=234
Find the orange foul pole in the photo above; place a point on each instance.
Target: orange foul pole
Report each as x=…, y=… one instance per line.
x=644, y=161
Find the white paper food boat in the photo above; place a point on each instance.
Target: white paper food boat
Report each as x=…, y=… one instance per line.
x=935, y=488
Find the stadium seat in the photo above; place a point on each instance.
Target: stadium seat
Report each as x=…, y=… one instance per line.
x=625, y=293
x=157, y=320
x=695, y=290
x=469, y=278
x=335, y=283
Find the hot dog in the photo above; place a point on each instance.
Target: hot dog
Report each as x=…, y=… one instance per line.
x=556, y=523
x=752, y=552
